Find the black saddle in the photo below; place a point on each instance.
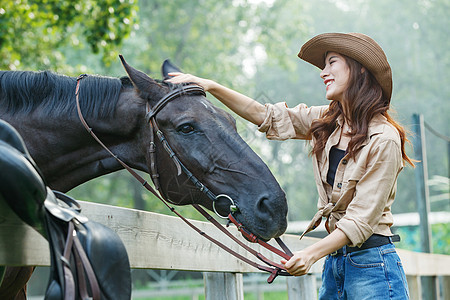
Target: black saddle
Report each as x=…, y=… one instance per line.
x=88, y=259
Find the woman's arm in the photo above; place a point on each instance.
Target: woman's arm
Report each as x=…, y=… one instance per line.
x=301, y=262
x=244, y=106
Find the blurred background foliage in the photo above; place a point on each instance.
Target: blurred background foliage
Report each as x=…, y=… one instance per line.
x=251, y=46
x=38, y=34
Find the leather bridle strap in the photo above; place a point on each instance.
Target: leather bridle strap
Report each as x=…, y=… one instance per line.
x=197, y=183
x=273, y=268
x=254, y=239
x=172, y=95
x=240, y=243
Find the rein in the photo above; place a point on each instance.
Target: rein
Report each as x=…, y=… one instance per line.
x=271, y=267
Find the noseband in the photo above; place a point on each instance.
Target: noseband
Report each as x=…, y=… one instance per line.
x=273, y=268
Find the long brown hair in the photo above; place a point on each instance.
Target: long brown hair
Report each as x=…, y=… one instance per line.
x=364, y=99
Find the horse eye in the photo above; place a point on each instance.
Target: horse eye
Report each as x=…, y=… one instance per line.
x=186, y=128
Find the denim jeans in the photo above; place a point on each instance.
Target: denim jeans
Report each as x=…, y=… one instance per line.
x=375, y=274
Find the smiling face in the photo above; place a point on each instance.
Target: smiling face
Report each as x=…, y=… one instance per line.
x=335, y=76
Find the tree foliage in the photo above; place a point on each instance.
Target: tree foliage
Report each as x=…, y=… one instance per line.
x=216, y=39
x=34, y=33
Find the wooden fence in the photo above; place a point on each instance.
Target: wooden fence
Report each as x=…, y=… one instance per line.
x=156, y=241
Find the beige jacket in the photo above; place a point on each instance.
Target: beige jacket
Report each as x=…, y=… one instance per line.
x=360, y=201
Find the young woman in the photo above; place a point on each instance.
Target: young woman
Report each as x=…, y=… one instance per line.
x=358, y=151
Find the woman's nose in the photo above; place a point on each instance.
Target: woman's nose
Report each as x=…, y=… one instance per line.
x=324, y=73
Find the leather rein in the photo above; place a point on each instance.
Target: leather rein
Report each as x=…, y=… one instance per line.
x=271, y=267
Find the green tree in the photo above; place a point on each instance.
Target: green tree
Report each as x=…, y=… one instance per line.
x=217, y=39
x=35, y=34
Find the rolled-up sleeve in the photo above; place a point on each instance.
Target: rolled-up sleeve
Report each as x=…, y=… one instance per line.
x=282, y=122
x=374, y=192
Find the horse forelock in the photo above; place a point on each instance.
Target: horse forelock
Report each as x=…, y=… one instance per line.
x=24, y=91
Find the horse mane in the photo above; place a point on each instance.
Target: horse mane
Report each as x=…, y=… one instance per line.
x=24, y=91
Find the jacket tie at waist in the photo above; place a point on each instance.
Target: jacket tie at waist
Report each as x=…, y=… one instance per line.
x=322, y=212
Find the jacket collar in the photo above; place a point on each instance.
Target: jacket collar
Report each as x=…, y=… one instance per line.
x=376, y=126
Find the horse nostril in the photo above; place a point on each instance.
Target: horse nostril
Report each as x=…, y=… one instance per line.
x=263, y=207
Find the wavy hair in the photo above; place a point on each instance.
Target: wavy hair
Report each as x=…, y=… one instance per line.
x=364, y=100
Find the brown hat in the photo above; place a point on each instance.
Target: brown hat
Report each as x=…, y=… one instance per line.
x=358, y=46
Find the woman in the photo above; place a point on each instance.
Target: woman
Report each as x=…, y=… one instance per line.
x=358, y=151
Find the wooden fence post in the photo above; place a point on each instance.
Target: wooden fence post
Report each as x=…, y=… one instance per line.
x=423, y=202
x=414, y=286
x=302, y=287
x=223, y=286
x=445, y=286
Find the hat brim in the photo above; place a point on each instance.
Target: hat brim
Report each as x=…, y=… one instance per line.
x=354, y=45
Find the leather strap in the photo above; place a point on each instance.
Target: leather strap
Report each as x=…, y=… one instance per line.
x=284, y=247
x=172, y=95
x=152, y=153
x=69, y=281
x=73, y=245
x=154, y=128
x=93, y=283
x=254, y=239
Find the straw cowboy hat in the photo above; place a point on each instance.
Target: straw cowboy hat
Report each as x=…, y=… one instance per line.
x=358, y=46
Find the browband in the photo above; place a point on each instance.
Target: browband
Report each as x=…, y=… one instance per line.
x=172, y=95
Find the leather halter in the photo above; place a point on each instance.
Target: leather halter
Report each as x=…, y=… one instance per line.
x=273, y=268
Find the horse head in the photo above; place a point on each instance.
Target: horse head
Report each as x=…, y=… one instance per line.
x=205, y=140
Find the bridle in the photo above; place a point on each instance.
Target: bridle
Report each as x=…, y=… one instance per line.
x=273, y=268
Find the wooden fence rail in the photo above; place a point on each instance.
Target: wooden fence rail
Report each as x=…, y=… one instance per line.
x=156, y=241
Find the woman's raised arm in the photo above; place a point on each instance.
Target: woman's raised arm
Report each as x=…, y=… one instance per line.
x=244, y=106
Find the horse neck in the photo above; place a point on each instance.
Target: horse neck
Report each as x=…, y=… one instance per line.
x=65, y=152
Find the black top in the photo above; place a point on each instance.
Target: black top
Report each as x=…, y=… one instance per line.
x=335, y=157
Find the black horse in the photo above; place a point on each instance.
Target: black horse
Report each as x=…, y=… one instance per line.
x=42, y=107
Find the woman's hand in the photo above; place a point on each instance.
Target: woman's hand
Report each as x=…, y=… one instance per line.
x=178, y=77
x=302, y=261
x=299, y=264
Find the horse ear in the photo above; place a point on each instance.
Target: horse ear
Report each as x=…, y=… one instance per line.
x=168, y=67
x=143, y=83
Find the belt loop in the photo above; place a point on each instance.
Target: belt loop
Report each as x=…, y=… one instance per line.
x=344, y=251
x=390, y=240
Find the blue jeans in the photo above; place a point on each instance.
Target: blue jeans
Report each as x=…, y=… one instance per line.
x=375, y=274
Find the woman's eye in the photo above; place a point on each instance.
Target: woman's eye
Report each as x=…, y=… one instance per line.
x=186, y=129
